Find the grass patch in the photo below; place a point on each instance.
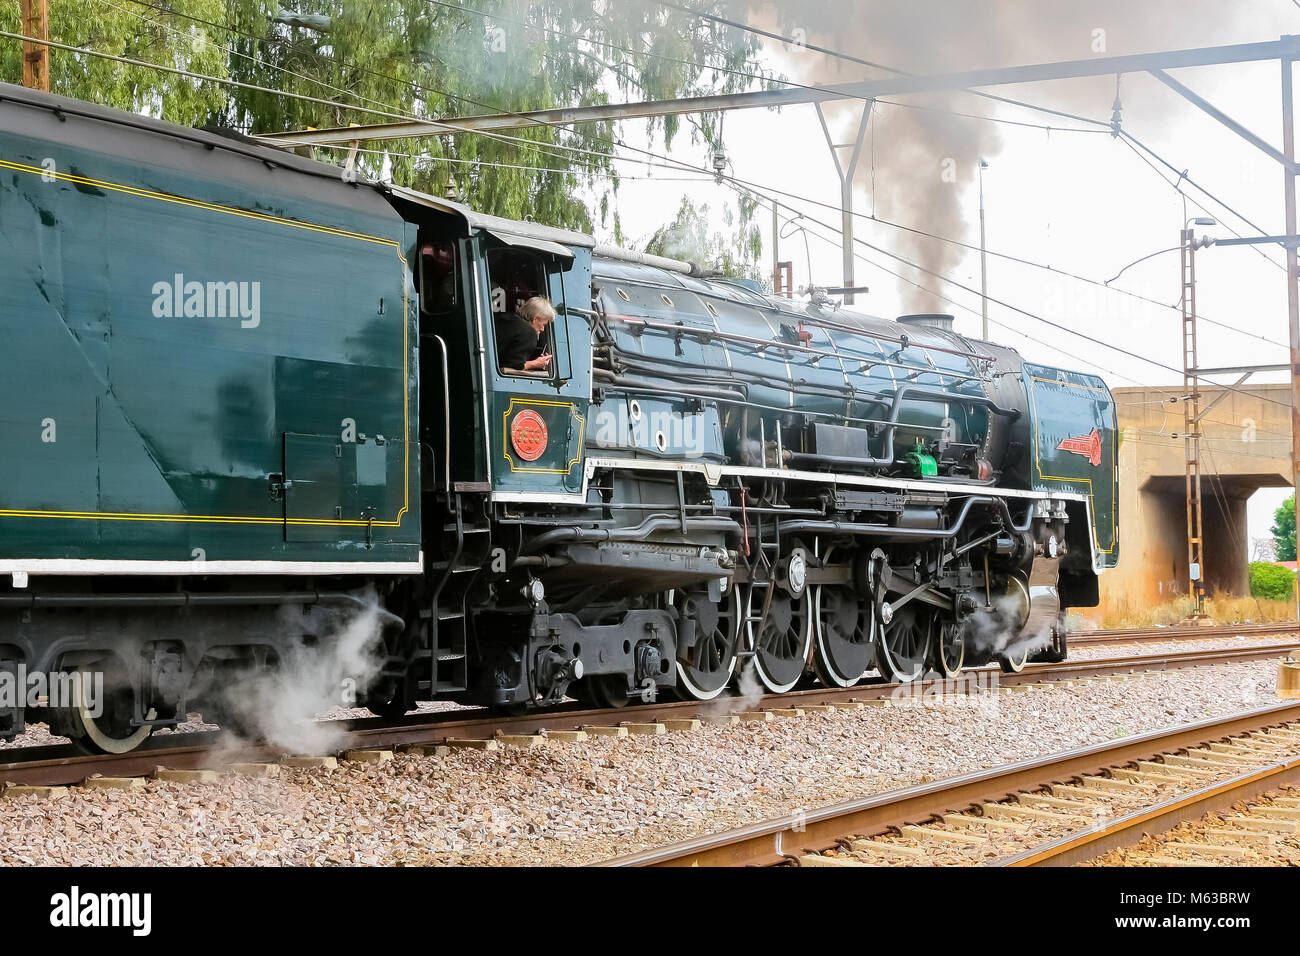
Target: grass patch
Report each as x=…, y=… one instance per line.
x=1226, y=609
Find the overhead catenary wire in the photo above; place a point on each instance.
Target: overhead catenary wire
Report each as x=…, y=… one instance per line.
x=871, y=217
x=850, y=58
x=603, y=156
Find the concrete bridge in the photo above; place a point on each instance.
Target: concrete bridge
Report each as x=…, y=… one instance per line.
x=1246, y=446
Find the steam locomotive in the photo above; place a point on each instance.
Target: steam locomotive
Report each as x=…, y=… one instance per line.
x=249, y=398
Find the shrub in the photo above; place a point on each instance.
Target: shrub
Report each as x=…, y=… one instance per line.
x=1271, y=581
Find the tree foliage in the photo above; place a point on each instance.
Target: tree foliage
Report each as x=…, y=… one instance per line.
x=413, y=58
x=688, y=237
x=1283, y=530
x=1271, y=581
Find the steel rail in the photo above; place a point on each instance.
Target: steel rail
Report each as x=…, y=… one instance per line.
x=1180, y=633
x=775, y=841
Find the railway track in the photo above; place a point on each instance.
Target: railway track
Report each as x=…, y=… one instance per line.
x=60, y=765
x=1153, y=635
x=1057, y=810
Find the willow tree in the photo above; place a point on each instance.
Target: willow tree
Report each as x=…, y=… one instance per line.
x=327, y=63
x=436, y=58
x=691, y=236
x=138, y=31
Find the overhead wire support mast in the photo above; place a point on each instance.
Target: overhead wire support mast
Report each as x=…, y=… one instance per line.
x=1292, y=272
x=846, y=173
x=1192, y=426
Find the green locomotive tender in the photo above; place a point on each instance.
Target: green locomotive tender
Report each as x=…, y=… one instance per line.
x=247, y=400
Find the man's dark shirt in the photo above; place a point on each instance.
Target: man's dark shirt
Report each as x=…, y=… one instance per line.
x=517, y=343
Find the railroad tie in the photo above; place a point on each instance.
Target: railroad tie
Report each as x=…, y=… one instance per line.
x=1262, y=824
x=964, y=820
x=1243, y=836
x=1276, y=813
x=894, y=850
x=1176, y=760
x=566, y=736
x=1082, y=793
x=1236, y=759
x=930, y=835
x=1000, y=811
x=1111, y=785
x=1210, y=849
x=1237, y=750
x=1143, y=776
x=1166, y=769
x=34, y=790
x=1166, y=861
x=814, y=859
x=1059, y=803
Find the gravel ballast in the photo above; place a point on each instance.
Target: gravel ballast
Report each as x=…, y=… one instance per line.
x=581, y=802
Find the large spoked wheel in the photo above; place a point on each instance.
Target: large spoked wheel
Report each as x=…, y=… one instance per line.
x=100, y=720
x=950, y=648
x=845, y=642
x=904, y=645
x=1013, y=658
x=705, y=665
x=781, y=649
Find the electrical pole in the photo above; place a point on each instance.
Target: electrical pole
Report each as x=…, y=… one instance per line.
x=36, y=56
x=984, y=268
x=776, y=250
x=1292, y=273
x=846, y=172
x=1192, y=426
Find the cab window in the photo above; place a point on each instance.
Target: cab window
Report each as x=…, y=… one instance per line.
x=436, y=277
x=515, y=276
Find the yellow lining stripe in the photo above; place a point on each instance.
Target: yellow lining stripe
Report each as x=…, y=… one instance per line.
x=505, y=435
x=406, y=389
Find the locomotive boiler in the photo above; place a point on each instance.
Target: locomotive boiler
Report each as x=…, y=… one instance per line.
x=249, y=398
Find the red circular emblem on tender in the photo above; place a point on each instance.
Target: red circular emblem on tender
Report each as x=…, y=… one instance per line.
x=528, y=435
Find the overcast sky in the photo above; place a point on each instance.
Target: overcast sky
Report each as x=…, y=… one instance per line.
x=1082, y=202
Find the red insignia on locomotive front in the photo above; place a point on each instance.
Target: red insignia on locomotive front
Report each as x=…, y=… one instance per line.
x=1089, y=446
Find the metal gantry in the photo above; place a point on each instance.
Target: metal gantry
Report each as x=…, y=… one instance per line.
x=1192, y=427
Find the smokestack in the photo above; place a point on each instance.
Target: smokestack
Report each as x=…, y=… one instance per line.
x=928, y=320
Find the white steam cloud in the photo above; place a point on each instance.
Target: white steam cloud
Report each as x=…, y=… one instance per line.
x=920, y=162
x=279, y=705
x=998, y=631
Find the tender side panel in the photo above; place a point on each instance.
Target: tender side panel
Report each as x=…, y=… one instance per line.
x=177, y=320
x=1074, y=444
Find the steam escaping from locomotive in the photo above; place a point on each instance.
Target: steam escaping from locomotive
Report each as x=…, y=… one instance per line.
x=280, y=705
x=920, y=159
x=996, y=631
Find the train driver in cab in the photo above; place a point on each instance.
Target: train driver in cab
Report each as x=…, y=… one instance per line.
x=521, y=337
